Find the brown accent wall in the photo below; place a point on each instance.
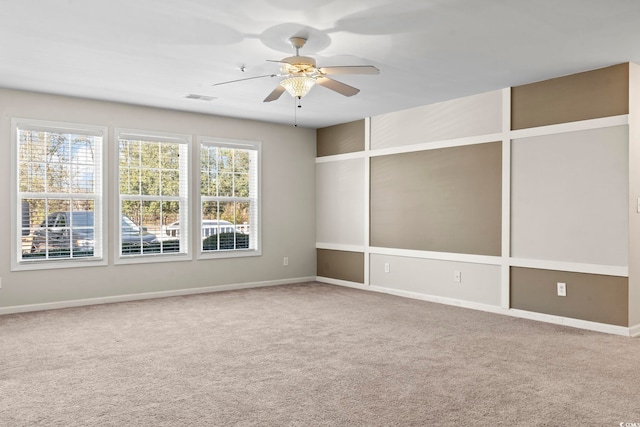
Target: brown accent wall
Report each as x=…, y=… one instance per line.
x=589, y=95
x=443, y=200
x=340, y=139
x=341, y=265
x=592, y=297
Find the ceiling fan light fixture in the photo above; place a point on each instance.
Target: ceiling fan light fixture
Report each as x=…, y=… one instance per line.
x=298, y=86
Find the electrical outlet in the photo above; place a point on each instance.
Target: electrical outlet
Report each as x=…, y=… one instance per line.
x=386, y=267
x=562, y=289
x=285, y=261
x=0, y=282
x=457, y=276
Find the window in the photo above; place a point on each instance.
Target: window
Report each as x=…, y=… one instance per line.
x=153, y=194
x=58, y=181
x=229, y=198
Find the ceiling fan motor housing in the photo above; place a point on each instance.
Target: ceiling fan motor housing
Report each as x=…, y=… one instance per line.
x=298, y=64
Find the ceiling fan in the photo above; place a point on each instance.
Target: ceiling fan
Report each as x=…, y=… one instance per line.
x=301, y=74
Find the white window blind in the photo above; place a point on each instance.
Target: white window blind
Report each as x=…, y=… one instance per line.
x=58, y=172
x=153, y=194
x=229, y=196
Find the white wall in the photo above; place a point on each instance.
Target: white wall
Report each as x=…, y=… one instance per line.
x=340, y=201
x=479, y=283
x=634, y=197
x=569, y=197
x=288, y=205
x=458, y=118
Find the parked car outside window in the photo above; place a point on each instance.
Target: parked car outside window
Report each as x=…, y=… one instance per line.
x=75, y=230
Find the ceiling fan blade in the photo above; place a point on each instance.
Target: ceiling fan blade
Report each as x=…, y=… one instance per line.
x=337, y=86
x=275, y=94
x=241, y=80
x=350, y=69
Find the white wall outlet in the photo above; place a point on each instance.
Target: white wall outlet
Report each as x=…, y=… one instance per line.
x=457, y=276
x=0, y=282
x=386, y=267
x=562, y=289
x=285, y=261
x=638, y=204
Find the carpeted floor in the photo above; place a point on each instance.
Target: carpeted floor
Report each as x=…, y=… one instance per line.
x=308, y=355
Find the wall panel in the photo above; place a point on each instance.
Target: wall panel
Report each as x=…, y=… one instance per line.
x=340, y=139
x=341, y=265
x=443, y=200
x=592, y=297
x=582, y=96
x=470, y=116
x=340, y=201
x=479, y=283
x=569, y=197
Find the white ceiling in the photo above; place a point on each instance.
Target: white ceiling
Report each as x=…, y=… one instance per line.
x=156, y=52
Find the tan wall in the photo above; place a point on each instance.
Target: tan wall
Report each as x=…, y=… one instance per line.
x=592, y=297
x=582, y=96
x=443, y=200
x=341, y=265
x=288, y=205
x=340, y=139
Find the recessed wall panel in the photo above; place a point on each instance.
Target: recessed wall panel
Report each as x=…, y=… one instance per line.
x=341, y=265
x=443, y=200
x=340, y=139
x=592, y=297
x=569, y=197
x=340, y=202
x=582, y=96
x=470, y=116
x=478, y=282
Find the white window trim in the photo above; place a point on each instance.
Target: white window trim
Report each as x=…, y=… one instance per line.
x=101, y=201
x=235, y=253
x=185, y=217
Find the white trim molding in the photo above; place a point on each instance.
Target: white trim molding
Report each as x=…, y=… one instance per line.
x=540, y=317
x=606, y=270
x=441, y=256
x=338, y=282
x=148, y=295
x=340, y=247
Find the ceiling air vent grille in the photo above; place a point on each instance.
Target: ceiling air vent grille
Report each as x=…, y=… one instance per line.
x=200, y=97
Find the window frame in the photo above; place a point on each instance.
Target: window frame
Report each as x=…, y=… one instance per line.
x=99, y=197
x=185, y=253
x=255, y=230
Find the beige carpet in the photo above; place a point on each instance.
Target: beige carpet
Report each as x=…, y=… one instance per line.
x=308, y=355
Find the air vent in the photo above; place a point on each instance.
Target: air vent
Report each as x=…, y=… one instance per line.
x=200, y=97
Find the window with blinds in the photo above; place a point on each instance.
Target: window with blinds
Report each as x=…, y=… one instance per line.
x=153, y=184
x=229, y=197
x=59, y=182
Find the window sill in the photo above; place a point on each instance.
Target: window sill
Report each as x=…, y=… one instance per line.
x=151, y=258
x=238, y=253
x=51, y=264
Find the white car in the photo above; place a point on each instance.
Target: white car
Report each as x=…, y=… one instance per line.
x=209, y=227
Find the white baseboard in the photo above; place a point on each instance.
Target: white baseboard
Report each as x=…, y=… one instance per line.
x=634, y=331
x=440, y=300
x=574, y=323
x=148, y=295
x=339, y=282
x=541, y=317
